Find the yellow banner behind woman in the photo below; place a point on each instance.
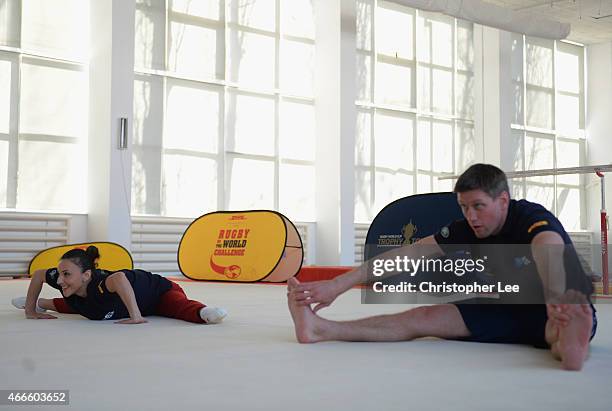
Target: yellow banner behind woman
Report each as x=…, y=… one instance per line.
x=241, y=246
x=113, y=257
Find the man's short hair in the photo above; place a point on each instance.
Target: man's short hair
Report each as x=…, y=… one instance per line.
x=485, y=177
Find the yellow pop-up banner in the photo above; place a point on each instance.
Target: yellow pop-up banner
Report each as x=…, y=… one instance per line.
x=113, y=257
x=241, y=246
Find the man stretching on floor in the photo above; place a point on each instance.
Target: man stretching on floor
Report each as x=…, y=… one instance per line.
x=491, y=217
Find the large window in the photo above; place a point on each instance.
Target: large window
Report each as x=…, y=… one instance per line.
x=415, y=103
x=223, y=107
x=43, y=104
x=548, y=124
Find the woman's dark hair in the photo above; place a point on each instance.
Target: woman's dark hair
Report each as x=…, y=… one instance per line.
x=85, y=259
x=485, y=177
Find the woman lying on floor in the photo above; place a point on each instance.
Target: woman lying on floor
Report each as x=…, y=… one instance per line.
x=103, y=295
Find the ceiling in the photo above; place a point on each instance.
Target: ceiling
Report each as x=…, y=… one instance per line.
x=583, y=15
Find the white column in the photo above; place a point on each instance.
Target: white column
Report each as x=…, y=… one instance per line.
x=507, y=147
x=478, y=95
x=599, y=127
x=335, y=110
x=111, y=94
x=491, y=107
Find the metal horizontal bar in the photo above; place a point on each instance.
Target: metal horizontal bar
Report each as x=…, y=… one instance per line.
x=168, y=260
x=141, y=250
x=61, y=239
x=149, y=230
x=32, y=228
x=7, y=272
x=153, y=241
x=154, y=268
x=160, y=220
x=15, y=260
x=33, y=217
x=548, y=172
x=20, y=250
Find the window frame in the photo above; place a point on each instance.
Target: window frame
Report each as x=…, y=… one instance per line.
x=415, y=112
x=229, y=87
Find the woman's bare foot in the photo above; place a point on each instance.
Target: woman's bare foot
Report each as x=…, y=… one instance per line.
x=42, y=304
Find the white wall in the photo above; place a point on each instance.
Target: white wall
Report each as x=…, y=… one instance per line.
x=77, y=230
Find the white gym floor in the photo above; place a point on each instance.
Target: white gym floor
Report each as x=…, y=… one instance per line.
x=252, y=362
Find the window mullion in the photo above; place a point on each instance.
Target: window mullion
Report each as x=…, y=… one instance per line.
x=554, y=126
x=162, y=192
x=454, y=101
x=162, y=182
x=277, y=100
x=417, y=102
x=223, y=185
x=13, y=149
x=166, y=34
x=20, y=24
x=373, y=110
x=524, y=132
x=13, y=143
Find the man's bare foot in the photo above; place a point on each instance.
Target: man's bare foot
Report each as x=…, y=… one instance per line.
x=552, y=337
x=573, y=343
x=304, y=319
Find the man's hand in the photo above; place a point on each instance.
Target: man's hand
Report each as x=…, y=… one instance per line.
x=321, y=293
x=39, y=316
x=557, y=311
x=137, y=320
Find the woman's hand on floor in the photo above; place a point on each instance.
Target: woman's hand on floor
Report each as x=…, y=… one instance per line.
x=40, y=316
x=138, y=320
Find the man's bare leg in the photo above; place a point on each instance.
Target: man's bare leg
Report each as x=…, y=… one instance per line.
x=442, y=321
x=570, y=343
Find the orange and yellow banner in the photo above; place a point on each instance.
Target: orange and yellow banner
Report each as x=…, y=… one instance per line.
x=113, y=257
x=241, y=246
